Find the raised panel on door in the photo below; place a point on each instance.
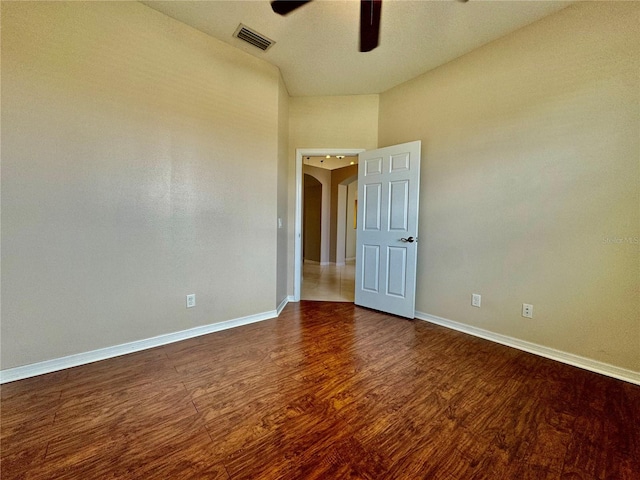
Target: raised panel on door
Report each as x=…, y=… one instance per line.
x=372, y=212
x=370, y=266
x=397, y=271
x=372, y=166
x=399, y=205
x=400, y=162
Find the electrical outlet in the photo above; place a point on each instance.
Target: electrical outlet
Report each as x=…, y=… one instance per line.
x=476, y=299
x=191, y=300
x=527, y=310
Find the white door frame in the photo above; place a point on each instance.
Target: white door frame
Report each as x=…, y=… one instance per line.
x=297, y=235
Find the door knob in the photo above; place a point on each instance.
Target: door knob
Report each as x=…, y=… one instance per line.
x=408, y=240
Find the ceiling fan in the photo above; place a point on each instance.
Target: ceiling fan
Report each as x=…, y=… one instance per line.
x=369, y=19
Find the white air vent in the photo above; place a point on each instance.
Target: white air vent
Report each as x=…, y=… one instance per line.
x=254, y=38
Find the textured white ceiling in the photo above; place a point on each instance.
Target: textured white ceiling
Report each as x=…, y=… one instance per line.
x=317, y=45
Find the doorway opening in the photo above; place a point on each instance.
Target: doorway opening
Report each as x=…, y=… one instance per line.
x=333, y=281
x=329, y=269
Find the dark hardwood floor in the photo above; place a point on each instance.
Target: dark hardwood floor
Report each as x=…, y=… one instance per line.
x=327, y=391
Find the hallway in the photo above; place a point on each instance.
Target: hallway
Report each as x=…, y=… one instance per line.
x=328, y=282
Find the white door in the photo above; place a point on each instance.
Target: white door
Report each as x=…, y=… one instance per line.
x=387, y=228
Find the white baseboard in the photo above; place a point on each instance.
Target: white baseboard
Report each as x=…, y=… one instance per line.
x=291, y=298
x=48, y=366
x=558, y=355
x=283, y=304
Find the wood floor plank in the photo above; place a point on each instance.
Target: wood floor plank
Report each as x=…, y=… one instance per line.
x=326, y=391
x=20, y=463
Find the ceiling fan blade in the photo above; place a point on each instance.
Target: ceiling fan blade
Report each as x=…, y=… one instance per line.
x=283, y=7
x=369, y=24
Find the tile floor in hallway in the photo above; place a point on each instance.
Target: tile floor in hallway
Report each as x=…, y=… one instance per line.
x=328, y=282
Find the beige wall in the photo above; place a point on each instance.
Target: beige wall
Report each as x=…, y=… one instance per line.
x=334, y=122
x=530, y=176
x=128, y=178
x=327, y=122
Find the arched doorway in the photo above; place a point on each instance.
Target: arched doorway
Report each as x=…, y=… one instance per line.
x=311, y=219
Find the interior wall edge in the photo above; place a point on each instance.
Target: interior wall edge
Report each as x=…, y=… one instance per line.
x=282, y=304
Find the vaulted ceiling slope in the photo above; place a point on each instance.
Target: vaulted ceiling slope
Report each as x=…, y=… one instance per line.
x=317, y=46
